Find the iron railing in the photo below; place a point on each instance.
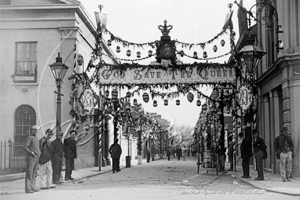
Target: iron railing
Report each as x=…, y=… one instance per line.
x=12, y=158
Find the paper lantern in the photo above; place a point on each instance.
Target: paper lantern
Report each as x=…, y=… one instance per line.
x=150, y=53
x=204, y=54
x=128, y=94
x=114, y=94
x=190, y=97
x=198, y=102
x=154, y=103
x=195, y=55
x=128, y=53
x=146, y=97
x=138, y=54
x=181, y=53
x=166, y=102
x=215, y=48
x=135, y=102
x=204, y=107
x=222, y=42
x=118, y=49
x=214, y=94
x=177, y=102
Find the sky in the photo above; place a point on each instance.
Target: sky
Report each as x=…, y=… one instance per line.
x=193, y=21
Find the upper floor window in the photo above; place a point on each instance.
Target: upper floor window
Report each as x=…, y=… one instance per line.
x=26, y=62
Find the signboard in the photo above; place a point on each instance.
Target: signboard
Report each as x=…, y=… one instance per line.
x=87, y=100
x=244, y=97
x=108, y=75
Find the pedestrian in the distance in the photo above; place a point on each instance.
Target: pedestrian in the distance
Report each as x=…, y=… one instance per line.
x=179, y=152
x=57, y=157
x=168, y=153
x=31, y=147
x=184, y=153
x=284, y=149
x=259, y=152
x=70, y=152
x=148, y=154
x=45, y=164
x=115, y=151
x=246, y=154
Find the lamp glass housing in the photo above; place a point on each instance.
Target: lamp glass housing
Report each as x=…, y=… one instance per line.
x=58, y=69
x=249, y=57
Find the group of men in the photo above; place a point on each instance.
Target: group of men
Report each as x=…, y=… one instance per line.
x=46, y=157
x=284, y=150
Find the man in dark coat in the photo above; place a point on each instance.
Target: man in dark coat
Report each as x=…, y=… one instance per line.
x=179, y=152
x=168, y=152
x=259, y=152
x=70, y=152
x=33, y=152
x=57, y=157
x=246, y=154
x=284, y=149
x=45, y=165
x=115, y=151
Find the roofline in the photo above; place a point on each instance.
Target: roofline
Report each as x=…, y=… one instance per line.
x=79, y=8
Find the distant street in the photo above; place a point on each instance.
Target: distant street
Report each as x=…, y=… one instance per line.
x=160, y=179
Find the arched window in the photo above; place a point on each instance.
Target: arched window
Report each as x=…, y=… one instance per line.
x=25, y=118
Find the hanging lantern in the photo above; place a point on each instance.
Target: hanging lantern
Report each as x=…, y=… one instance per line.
x=214, y=94
x=166, y=102
x=154, y=103
x=204, y=107
x=190, y=97
x=150, y=53
x=138, y=54
x=128, y=53
x=118, y=49
x=195, y=55
x=77, y=125
x=222, y=43
x=177, y=102
x=181, y=53
x=215, y=48
x=146, y=97
x=128, y=94
x=135, y=102
x=114, y=94
x=107, y=93
x=204, y=54
x=226, y=93
x=198, y=102
x=109, y=42
x=86, y=127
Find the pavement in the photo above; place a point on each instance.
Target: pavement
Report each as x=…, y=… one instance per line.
x=14, y=184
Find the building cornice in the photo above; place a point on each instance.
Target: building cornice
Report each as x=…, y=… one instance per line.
x=277, y=66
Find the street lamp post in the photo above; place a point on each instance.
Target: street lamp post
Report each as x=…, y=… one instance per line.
x=59, y=71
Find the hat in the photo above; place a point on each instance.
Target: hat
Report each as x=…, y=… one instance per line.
x=35, y=127
x=49, y=130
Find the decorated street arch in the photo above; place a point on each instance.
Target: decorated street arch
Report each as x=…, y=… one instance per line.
x=154, y=79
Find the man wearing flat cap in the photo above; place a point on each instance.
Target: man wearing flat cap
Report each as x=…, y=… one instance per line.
x=45, y=166
x=31, y=147
x=284, y=149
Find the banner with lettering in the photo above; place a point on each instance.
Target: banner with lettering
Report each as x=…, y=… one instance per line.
x=109, y=75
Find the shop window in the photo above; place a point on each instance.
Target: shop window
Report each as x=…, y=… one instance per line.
x=26, y=62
